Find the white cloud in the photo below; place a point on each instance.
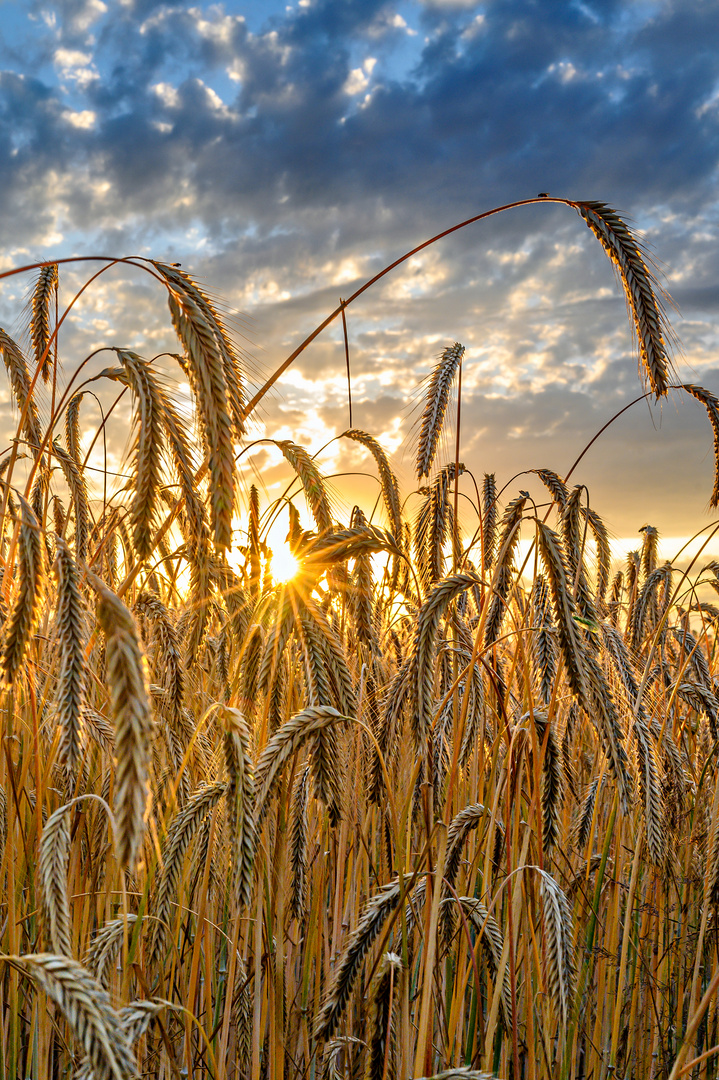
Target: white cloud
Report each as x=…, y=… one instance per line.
x=237, y=70
x=358, y=79
x=87, y=15
x=167, y=94
x=84, y=120
x=220, y=29
x=76, y=66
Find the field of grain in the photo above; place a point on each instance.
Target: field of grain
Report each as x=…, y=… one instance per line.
x=425, y=808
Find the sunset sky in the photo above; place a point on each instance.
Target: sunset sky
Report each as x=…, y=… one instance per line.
x=283, y=153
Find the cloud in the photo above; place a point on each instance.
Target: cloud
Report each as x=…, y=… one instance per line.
x=286, y=161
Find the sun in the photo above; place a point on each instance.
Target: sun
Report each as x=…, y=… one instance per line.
x=284, y=565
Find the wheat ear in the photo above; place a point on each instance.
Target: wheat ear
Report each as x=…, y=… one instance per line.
x=425, y=647
x=390, y=488
x=544, y=660
x=148, y=445
x=105, y=946
x=78, y=490
x=508, y=541
x=72, y=427
x=52, y=865
x=71, y=631
x=17, y=369
x=182, y=829
x=359, y=539
x=572, y=528
x=313, y=722
x=627, y=256
x=370, y=924
x=127, y=680
x=43, y=294
x=138, y=1015
x=298, y=844
x=167, y=664
x=649, y=772
x=312, y=483
x=604, y=554
x=489, y=521
x=492, y=940
x=461, y=825
x=554, y=485
x=381, y=1033
x=558, y=929
x=231, y=364
x=438, y=390
x=564, y=610
x=25, y=612
x=331, y=1058
x=206, y=374
x=86, y=1007
x=240, y=804
x=552, y=793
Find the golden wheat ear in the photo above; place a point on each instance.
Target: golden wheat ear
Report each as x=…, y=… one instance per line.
x=17, y=369
x=71, y=630
x=371, y=922
x=390, y=488
x=25, y=613
x=240, y=804
x=126, y=670
x=44, y=294
x=440, y=385
x=639, y=286
x=87, y=1009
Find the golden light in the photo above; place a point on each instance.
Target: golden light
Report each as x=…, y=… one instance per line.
x=284, y=565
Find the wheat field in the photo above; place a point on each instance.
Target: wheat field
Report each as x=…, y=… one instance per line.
x=426, y=808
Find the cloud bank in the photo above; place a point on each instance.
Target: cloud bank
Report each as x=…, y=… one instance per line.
x=285, y=153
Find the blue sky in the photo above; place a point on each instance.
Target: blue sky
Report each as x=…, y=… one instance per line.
x=285, y=152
